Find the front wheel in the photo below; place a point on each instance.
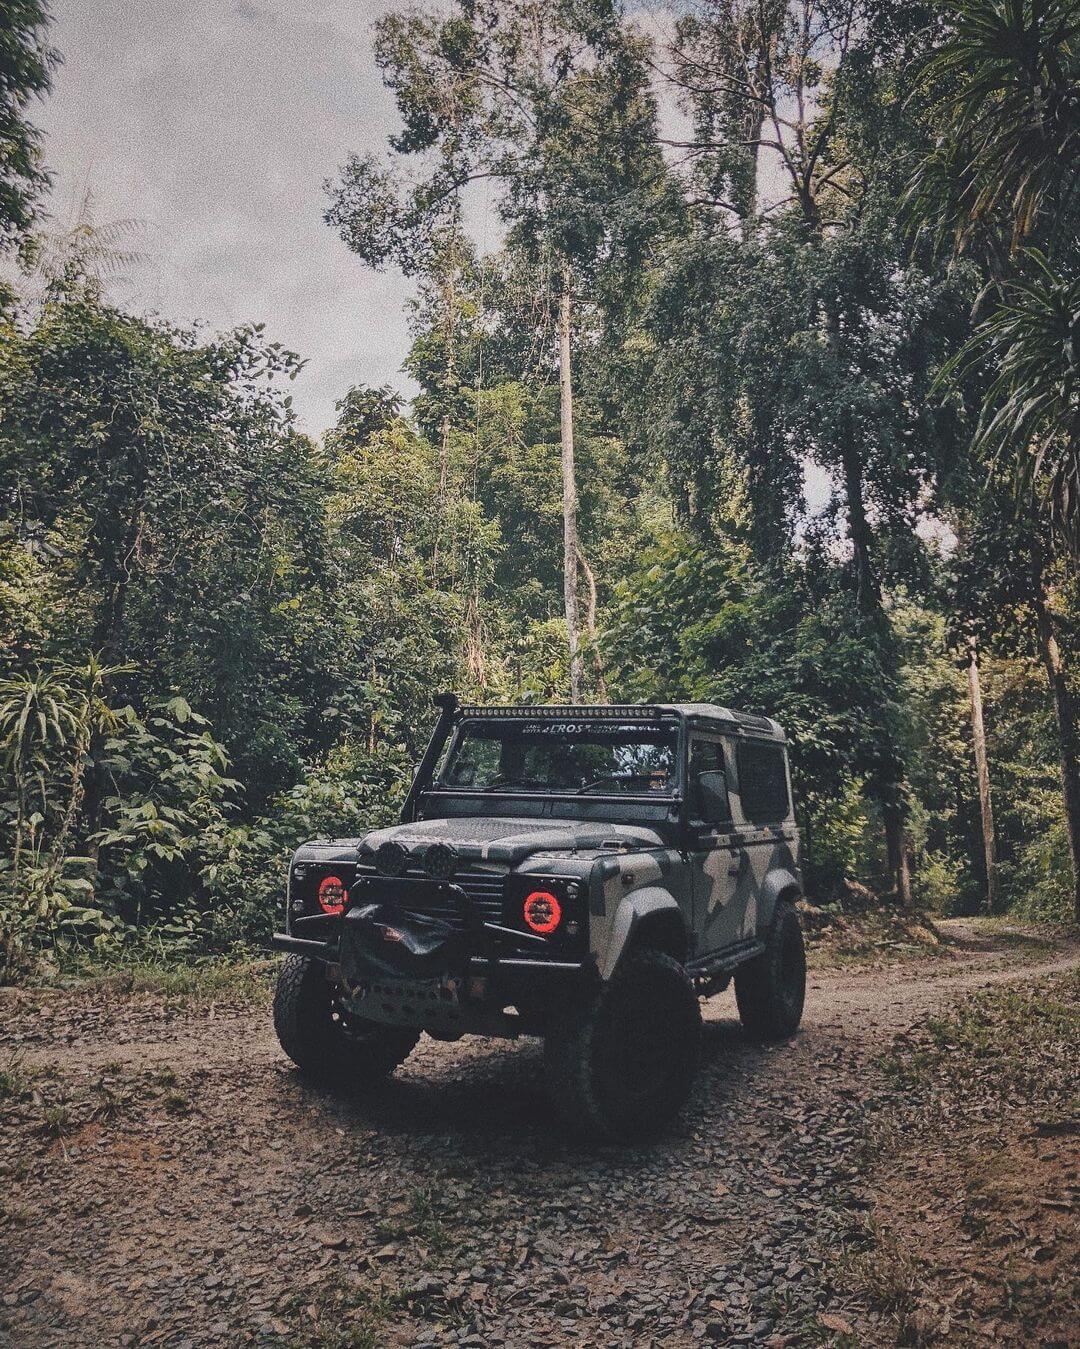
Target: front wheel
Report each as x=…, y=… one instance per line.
x=771, y=989
x=325, y=1043
x=621, y=1064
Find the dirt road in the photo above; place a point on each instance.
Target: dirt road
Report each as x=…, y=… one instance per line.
x=169, y=1180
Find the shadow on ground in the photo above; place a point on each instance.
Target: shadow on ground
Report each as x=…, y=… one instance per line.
x=494, y=1091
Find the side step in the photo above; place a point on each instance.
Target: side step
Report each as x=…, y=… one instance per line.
x=719, y=963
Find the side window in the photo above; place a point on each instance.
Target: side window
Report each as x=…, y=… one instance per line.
x=708, y=782
x=763, y=786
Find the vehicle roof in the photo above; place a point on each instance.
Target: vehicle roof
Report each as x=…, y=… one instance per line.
x=728, y=717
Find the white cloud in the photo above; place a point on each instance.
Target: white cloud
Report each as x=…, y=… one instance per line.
x=216, y=124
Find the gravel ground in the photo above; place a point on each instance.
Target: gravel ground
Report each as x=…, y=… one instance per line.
x=166, y=1179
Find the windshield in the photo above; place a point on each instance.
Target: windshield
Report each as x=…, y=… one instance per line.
x=535, y=756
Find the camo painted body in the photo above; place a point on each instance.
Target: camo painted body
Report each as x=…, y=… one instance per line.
x=708, y=886
x=580, y=873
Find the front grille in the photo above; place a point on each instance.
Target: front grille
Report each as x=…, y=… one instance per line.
x=484, y=888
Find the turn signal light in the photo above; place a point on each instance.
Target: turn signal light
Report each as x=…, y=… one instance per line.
x=542, y=912
x=332, y=894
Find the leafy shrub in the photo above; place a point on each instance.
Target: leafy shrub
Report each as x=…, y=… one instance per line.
x=350, y=791
x=1039, y=886
x=942, y=883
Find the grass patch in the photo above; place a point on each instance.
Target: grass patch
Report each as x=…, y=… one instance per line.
x=191, y=983
x=419, y=1218
x=56, y=1120
x=1011, y=1043
x=1008, y=936
x=112, y=1098
x=353, y=1315
x=15, y=1080
x=178, y=1105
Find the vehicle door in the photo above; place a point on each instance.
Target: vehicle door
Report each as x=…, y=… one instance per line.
x=717, y=856
x=761, y=800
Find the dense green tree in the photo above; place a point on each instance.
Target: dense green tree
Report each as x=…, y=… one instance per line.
x=27, y=63
x=182, y=512
x=553, y=104
x=1001, y=183
x=792, y=327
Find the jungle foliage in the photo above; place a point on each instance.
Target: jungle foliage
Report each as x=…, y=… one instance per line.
x=824, y=272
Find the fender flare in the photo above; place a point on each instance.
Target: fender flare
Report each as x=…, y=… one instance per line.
x=778, y=883
x=632, y=911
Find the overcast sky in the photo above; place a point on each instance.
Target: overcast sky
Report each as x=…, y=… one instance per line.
x=215, y=124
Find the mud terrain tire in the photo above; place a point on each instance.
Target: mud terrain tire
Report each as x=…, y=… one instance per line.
x=620, y=1064
x=771, y=989
x=326, y=1044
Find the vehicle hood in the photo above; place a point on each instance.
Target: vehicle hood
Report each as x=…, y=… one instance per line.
x=512, y=840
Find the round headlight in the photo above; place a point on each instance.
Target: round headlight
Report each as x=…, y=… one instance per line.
x=391, y=859
x=439, y=861
x=331, y=894
x=542, y=912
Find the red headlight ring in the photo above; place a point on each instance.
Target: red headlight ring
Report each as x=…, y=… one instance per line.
x=542, y=912
x=332, y=894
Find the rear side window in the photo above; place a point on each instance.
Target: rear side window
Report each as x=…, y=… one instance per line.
x=708, y=782
x=763, y=785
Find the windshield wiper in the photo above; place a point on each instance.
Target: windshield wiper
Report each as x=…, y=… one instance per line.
x=512, y=782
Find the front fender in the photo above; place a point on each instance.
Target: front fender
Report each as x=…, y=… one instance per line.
x=779, y=881
x=632, y=911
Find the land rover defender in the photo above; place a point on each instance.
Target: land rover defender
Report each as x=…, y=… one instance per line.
x=580, y=873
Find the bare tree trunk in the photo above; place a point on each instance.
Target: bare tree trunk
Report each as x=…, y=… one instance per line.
x=982, y=770
x=867, y=591
x=590, y=627
x=868, y=600
x=569, y=486
x=449, y=300
x=1068, y=735
x=896, y=850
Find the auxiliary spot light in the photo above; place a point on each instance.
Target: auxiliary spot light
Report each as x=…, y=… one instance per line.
x=391, y=859
x=439, y=861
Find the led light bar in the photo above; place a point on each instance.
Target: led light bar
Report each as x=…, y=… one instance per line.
x=570, y=712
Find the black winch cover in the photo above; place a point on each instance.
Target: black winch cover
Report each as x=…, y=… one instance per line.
x=380, y=941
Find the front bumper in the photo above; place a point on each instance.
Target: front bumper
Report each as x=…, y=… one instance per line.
x=491, y=994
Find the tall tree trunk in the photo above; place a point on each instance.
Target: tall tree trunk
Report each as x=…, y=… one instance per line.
x=1068, y=735
x=590, y=627
x=569, y=486
x=982, y=771
x=896, y=848
x=109, y=644
x=867, y=592
x=450, y=327
x=868, y=600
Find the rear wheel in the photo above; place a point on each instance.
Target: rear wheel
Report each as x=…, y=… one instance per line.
x=620, y=1065
x=324, y=1042
x=771, y=988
